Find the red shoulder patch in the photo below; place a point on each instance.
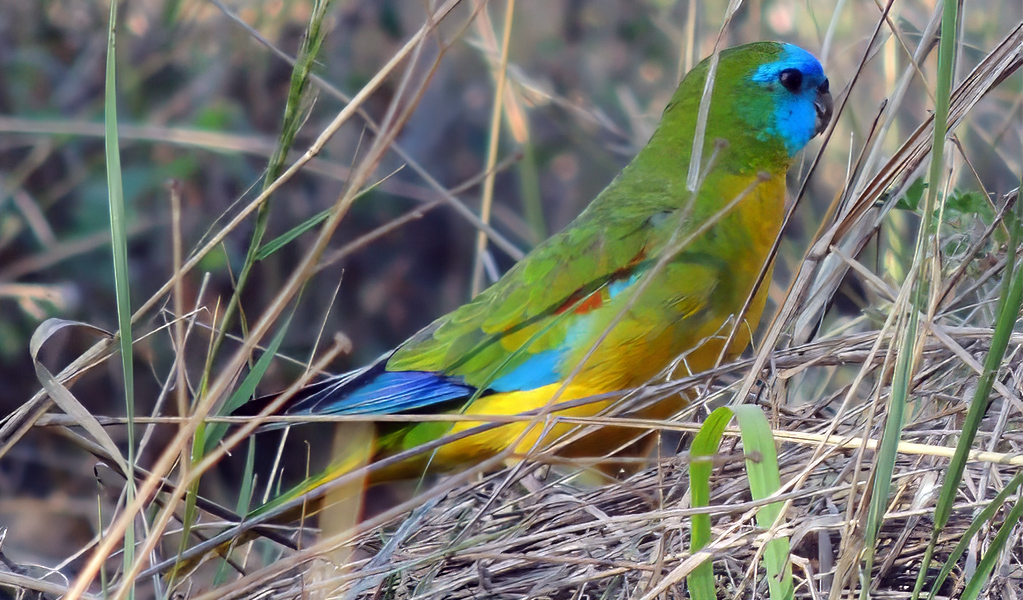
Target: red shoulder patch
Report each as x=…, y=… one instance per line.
x=580, y=304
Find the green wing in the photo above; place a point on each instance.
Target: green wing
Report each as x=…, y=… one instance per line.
x=532, y=309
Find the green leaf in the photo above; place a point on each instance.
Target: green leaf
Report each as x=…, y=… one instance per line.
x=914, y=193
x=971, y=203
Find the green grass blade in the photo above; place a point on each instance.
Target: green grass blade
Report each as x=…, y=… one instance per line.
x=1009, y=304
x=987, y=563
x=119, y=244
x=964, y=540
x=532, y=201
x=211, y=434
x=245, y=495
x=764, y=478
x=205, y=437
x=903, y=377
x=288, y=236
x=887, y=452
x=215, y=431
x=701, y=465
x=291, y=124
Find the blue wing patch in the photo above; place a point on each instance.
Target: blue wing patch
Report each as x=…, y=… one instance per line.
x=544, y=368
x=378, y=392
x=539, y=370
x=395, y=392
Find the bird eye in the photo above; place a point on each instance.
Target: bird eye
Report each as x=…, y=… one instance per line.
x=824, y=88
x=792, y=79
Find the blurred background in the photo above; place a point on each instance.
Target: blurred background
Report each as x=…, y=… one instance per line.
x=201, y=101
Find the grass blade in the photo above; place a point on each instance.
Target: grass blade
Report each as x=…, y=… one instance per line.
x=987, y=563
x=119, y=245
x=764, y=479
x=1009, y=304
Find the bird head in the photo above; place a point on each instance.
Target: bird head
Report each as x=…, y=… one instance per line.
x=769, y=99
x=801, y=95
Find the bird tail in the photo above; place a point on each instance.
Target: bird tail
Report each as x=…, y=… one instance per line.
x=338, y=508
x=353, y=448
x=305, y=400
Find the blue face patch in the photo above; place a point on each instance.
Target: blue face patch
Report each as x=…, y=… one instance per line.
x=794, y=114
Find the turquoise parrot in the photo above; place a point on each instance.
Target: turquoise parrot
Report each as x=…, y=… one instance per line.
x=652, y=275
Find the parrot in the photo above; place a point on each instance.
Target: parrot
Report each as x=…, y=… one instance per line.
x=652, y=275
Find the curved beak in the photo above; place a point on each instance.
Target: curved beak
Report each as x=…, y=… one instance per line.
x=823, y=105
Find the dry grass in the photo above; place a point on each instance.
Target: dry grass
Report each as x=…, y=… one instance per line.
x=822, y=367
